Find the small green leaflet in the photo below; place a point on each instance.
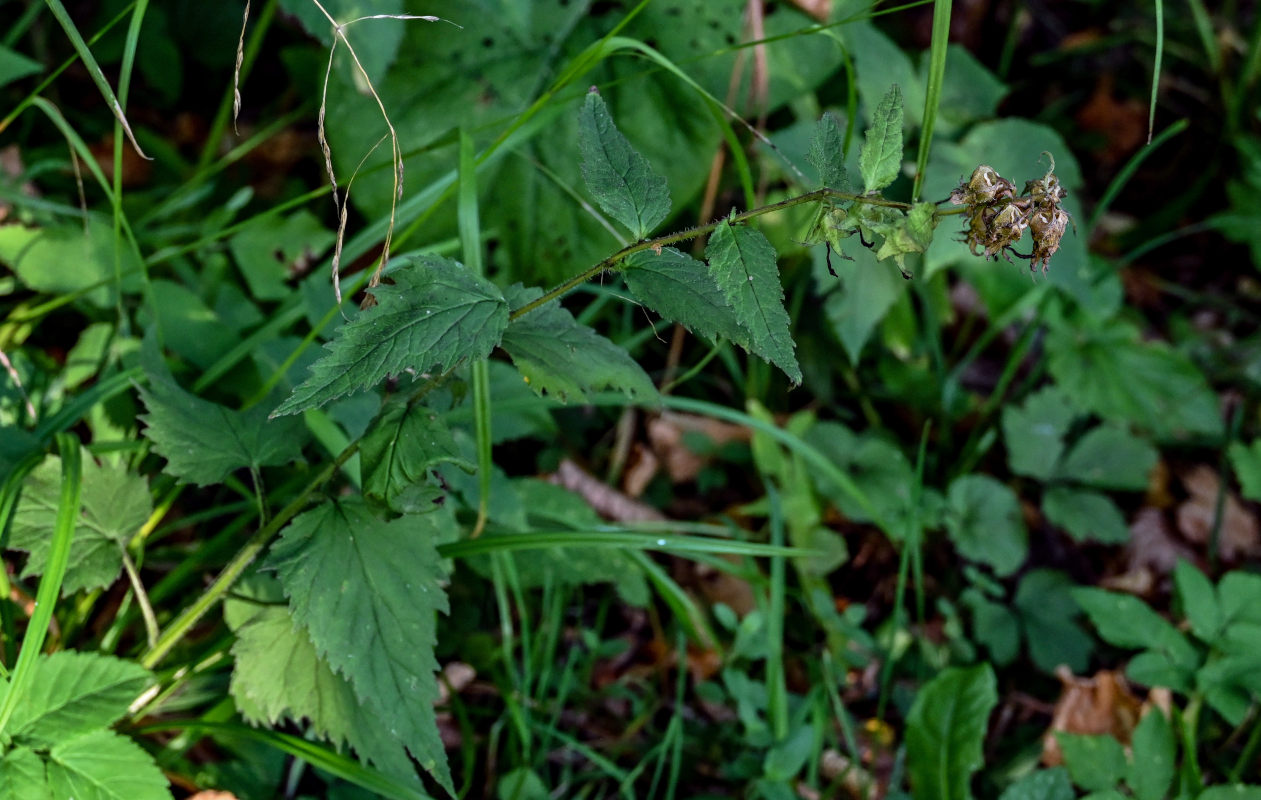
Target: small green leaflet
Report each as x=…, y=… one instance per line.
x=945, y=730
x=22, y=776
x=367, y=592
x=880, y=158
x=682, y=289
x=827, y=154
x=745, y=266
x=435, y=315
x=115, y=505
x=985, y=523
x=1085, y=515
x=402, y=445
x=621, y=180
x=104, y=766
x=1246, y=461
x=75, y=693
x=560, y=357
x=203, y=442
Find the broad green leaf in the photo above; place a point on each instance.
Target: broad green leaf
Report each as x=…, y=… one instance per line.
x=204, y=442
x=866, y=294
x=682, y=289
x=784, y=760
x=621, y=180
x=1126, y=621
x=190, y=328
x=378, y=627
x=66, y=258
x=403, y=444
x=521, y=784
x=271, y=252
x=22, y=776
x=1048, y=614
x=1042, y=784
x=1120, y=378
x=278, y=674
x=104, y=766
x=746, y=268
x=1246, y=462
x=879, y=62
x=1085, y=515
x=88, y=355
x=74, y=693
x=560, y=357
x=1152, y=769
x=994, y=626
x=1199, y=601
x=880, y=158
x=376, y=42
x=1109, y=458
x=969, y=93
x=1240, y=596
x=435, y=315
x=115, y=505
x=14, y=66
x=945, y=730
x=1095, y=762
x=1034, y=432
x=827, y=153
x=985, y=523
x=1161, y=668
x=877, y=466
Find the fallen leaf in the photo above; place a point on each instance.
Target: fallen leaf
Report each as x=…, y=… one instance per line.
x=609, y=502
x=641, y=468
x=1152, y=545
x=1101, y=704
x=1239, y=535
x=667, y=433
x=1122, y=121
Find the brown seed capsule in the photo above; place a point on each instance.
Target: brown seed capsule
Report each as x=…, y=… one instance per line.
x=985, y=186
x=1048, y=227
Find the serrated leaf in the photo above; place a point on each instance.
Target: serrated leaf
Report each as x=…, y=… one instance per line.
x=1199, y=601
x=562, y=358
x=880, y=158
x=1245, y=460
x=1095, y=762
x=1152, y=769
x=827, y=153
x=402, y=445
x=746, y=269
x=436, y=314
x=621, y=180
x=1085, y=515
x=104, y=766
x=1043, y=784
x=278, y=674
x=985, y=523
x=22, y=776
x=1126, y=621
x=945, y=730
x=204, y=442
x=1110, y=458
x=74, y=693
x=1034, y=432
x=115, y=505
x=377, y=627
x=682, y=289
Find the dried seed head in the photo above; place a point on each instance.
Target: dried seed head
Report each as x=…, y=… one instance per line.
x=985, y=186
x=1048, y=226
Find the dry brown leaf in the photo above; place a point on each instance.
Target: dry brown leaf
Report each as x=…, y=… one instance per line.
x=642, y=467
x=666, y=434
x=855, y=781
x=1102, y=704
x=720, y=586
x=609, y=502
x=1152, y=544
x=1122, y=121
x=819, y=9
x=1240, y=535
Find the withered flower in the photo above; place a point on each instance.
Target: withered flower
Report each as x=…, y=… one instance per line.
x=997, y=218
x=1048, y=226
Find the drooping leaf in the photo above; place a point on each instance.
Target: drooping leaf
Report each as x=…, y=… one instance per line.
x=378, y=628
x=74, y=693
x=1109, y=458
x=278, y=674
x=1152, y=769
x=202, y=441
x=880, y=158
x=621, y=180
x=1042, y=784
x=402, y=445
x=985, y=523
x=22, y=776
x=1120, y=378
x=1085, y=515
x=102, y=765
x=436, y=314
x=115, y=505
x=945, y=730
x=827, y=153
x=1034, y=432
x=1096, y=762
x=746, y=268
x=682, y=289
x=1246, y=462
x=562, y=358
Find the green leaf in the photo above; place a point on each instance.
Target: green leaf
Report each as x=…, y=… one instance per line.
x=985, y=523
x=1095, y=762
x=1199, y=601
x=14, y=66
x=621, y=180
x=994, y=626
x=115, y=505
x=74, y=693
x=1246, y=462
x=562, y=358
x=1048, y=613
x=62, y=259
x=401, y=447
x=945, y=730
x=827, y=153
x=1152, y=770
x=682, y=289
x=1113, y=374
x=1085, y=515
x=1042, y=784
x=1240, y=596
x=1034, y=432
x=104, y=766
x=866, y=294
x=746, y=268
x=435, y=315
x=203, y=442
x=1238, y=791
x=1110, y=458
x=906, y=235
x=880, y=158
x=22, y=776
x=269, y=252
x=278, y=674
x=1126, y=621
x=377, y=628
